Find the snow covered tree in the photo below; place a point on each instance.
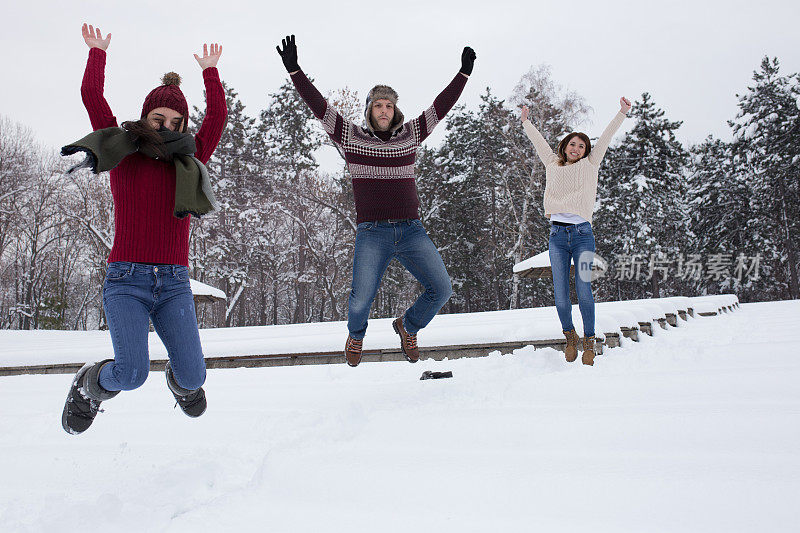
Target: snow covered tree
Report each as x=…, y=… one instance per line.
x=723, y=222
x=641, y=220
x=288, y=138
x=219, y=245
x=39, y=233
x=455, y=211
x=767, y=143
x=17, y=156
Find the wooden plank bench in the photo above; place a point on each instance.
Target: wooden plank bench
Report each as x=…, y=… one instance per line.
x=437, y=353
x=610, y=339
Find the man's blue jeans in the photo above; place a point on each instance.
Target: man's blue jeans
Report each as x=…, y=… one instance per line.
x=135, y=293
x=377, y=243
x=570, y=244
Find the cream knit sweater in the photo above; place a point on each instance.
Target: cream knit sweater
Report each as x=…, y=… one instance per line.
x=573, y=187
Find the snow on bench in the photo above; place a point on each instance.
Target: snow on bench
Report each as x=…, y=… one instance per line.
x=716, y=304
x=452, y=336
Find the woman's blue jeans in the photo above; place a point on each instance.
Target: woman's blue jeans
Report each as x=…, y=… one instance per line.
x=134, y=294
x=377, y=243
x=573, y=244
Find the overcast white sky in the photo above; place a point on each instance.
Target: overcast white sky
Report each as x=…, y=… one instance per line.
x=692, y=56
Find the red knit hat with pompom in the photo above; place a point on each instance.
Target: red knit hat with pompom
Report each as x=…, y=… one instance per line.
x=168, y=94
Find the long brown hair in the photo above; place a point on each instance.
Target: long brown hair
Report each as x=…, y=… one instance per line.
x=148, y=139
x=562, y=146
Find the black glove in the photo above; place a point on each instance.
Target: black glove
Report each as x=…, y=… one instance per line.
x=467, y=60
x=289, y=54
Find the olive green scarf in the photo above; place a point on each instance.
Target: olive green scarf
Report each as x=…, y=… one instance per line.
x=105, y=149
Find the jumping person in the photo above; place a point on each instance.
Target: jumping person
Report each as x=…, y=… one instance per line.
x=569, y=197
x=381, y=156
x=158, y=178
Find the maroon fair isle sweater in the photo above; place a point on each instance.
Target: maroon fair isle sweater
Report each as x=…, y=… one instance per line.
x=145, y=230
x=381, y=164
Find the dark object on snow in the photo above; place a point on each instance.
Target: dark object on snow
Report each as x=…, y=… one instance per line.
x=436, y=375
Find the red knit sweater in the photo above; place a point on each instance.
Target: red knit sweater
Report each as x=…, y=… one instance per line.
x=145, y=230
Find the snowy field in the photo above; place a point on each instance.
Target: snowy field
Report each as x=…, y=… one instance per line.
x=695, y=429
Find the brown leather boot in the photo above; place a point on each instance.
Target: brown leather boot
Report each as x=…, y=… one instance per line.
x=352, y=351
x=588, y=351
x=408, y=342
x=571, y=351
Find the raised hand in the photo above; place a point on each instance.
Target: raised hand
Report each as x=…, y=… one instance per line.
x=93, y=38
x=524, y=113
x=467, y=60
x=624, y=105
x=211, y=53
x=289, y=54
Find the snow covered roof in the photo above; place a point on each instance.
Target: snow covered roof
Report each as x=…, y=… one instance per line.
x=541, y=260
x=539, y=265
x=205, y=292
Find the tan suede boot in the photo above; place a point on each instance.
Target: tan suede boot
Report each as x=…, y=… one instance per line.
x=571, y=351
x=408, y=341
x=588, y=351
x=352, y=351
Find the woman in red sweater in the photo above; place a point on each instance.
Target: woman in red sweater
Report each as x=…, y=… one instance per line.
x=148, y=275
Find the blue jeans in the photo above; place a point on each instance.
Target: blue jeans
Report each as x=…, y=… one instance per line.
x=567, y=244
x=376, y=244
x=134, y=294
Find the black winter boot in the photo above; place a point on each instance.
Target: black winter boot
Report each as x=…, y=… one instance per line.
x=192, y=402
x=84, y=397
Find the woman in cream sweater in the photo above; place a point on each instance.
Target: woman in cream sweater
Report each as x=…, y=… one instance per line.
x=569, y=197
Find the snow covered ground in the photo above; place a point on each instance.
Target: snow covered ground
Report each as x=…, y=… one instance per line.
x=695, y=429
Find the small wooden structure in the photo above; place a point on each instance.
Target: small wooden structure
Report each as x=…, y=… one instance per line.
x=208, y=296
x=206, y=293
x=538, y=266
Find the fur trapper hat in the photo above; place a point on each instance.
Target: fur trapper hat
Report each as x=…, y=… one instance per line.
x=383, y=92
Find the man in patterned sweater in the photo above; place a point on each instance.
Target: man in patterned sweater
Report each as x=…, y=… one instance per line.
x=381, y=157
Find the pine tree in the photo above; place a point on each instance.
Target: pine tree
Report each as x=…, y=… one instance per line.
x=767, y=132
x=722, y=219
x=641, y=219
x=476, y=216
